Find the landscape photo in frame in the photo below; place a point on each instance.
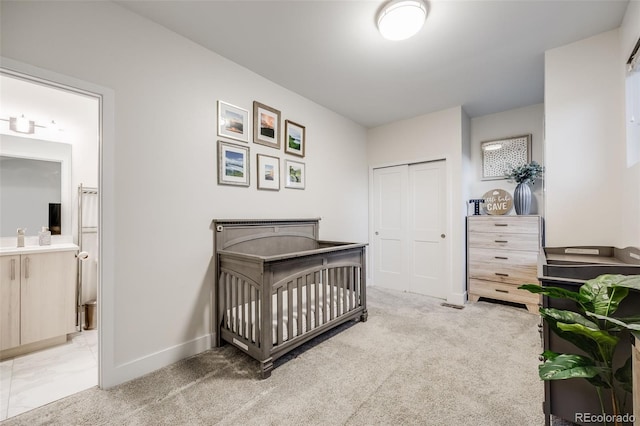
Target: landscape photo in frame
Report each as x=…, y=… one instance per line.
x=266, y=125
x=233, y=164
x=294, y=138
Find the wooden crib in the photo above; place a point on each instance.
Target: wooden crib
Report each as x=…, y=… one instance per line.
x=279, y=286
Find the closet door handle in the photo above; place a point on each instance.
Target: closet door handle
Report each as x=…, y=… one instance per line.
x=13, y=269
x=26, y=267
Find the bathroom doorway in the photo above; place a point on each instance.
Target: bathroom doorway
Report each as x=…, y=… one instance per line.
x=57, y=114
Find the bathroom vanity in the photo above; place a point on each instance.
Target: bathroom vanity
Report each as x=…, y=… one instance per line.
x=37, y=297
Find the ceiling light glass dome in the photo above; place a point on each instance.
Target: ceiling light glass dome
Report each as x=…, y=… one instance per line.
x=401, y=19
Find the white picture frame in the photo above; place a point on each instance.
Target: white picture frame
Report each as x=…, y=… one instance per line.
x=295, y=175
x=233, y=122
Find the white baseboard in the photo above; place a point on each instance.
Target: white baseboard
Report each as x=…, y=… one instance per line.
x=457, y=298
x=155, y=361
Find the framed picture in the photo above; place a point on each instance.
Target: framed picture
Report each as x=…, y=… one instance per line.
x=294, y=138
x=233, y=122
x=266, y=125
x=268, y=172
x=499, y=156
x=233, y=164
x=295, y=175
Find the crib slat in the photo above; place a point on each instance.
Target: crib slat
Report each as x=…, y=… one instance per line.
x=336, y=284
x=299, y=306
x=318, y=282
x=289, y=310
x=352, y=270
x=307, y=292
x=256, y=316
x=235, y=304
x=345, y=301
x=332, y=284
x=241, y=305
x=325, y=296
x=279, y=315
x=250, y=314
x=358, y=285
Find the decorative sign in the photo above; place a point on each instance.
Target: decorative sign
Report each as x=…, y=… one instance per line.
x=497, y=202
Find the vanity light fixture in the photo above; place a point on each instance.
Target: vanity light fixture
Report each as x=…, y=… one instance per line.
x=28, y=127
x=22, y=125
x=401, y=19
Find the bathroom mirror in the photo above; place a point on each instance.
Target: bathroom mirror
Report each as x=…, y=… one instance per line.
x=499, y=156
x=34, y=174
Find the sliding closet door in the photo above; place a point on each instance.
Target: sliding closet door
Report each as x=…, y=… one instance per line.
x=389, y=217
x=426, y=227
x=409, y=228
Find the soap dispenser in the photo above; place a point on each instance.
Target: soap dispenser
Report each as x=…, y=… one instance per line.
x=21, y=232
x=44, y=237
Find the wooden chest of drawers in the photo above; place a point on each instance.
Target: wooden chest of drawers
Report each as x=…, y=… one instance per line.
x=502, y=253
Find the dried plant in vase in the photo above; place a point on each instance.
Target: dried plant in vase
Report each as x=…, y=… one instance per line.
x=523, y=176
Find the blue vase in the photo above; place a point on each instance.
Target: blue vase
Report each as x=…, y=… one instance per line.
x=522, y=198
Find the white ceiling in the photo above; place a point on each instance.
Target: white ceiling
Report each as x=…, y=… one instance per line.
x=487, y=56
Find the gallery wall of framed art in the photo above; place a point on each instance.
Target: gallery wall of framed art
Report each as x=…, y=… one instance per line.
x=260, y=125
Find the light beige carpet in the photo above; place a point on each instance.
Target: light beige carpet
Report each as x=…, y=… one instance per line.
x=414, y=362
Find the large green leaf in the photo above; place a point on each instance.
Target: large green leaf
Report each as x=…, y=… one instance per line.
x=624, y=375
x=598, y=291
x=555, y=292
x=605, y=341
x=570, y=366
x=555, y=316
x=631, y=323
x=568, y=317
x=630, y=281
x=549, y=354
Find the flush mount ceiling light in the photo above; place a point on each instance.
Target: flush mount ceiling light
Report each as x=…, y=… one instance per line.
x=401, y=19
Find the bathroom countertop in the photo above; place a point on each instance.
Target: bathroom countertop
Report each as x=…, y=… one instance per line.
x=31, y=249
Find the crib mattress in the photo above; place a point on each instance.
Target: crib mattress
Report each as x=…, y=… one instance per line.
x=336, y=304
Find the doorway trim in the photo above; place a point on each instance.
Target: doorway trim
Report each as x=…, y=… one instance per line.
x=106, y=213
x=453, y=293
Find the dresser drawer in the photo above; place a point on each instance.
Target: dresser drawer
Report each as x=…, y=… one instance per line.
x=510, y=293
x=504, y=241
x=503, y=266
x=505, y=224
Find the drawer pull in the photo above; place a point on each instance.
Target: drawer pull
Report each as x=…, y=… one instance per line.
x=501, y=291
x=501, y=241
x=501, y=224
x=501, y=257
x=500, y=274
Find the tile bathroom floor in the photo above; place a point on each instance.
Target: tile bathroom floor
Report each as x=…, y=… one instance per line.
x=36, y=379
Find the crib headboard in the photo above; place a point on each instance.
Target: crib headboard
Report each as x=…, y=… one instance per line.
x=265, y=237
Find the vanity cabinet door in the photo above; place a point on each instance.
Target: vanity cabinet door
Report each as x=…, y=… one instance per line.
x=9, y=301
x=48, y=295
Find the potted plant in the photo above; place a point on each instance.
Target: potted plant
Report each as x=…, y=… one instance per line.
x=523, y=176
x=597, y=333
